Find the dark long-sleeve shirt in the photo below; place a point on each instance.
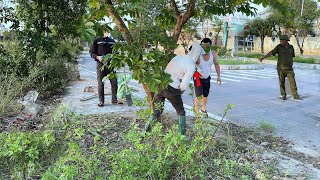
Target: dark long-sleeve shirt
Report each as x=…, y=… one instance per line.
x=101, y=46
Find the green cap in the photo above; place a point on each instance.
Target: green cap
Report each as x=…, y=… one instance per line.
x=284, y=37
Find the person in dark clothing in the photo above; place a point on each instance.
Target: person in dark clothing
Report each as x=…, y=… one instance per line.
x=102, y=46
x=285, y=53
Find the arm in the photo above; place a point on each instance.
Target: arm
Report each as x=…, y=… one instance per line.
x=186, y=78
x=273, y=52
x=217, y=67
x=93, y=51
x=266, y=56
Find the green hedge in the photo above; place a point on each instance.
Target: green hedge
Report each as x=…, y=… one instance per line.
x=308, y=60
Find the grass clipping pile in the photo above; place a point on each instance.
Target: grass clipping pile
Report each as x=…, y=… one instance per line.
x=114, y=146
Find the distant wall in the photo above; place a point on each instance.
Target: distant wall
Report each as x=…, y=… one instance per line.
x=311, y=45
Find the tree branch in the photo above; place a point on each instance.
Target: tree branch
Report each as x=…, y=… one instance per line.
x=181, y=20
x=175, y=7
x=119, y=22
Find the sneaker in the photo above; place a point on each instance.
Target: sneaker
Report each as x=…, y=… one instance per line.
x=101, y=104
x=117, y=102
x=283, y=97
x=297, y=98
x=205, y=113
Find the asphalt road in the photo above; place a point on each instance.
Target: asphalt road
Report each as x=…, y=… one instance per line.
x=255, y=96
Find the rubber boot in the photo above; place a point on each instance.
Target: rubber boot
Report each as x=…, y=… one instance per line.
x=182, y=124
x=153, y=119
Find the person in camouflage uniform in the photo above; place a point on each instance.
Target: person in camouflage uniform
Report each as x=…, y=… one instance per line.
x=285, y=53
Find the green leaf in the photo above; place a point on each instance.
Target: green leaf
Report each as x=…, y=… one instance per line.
x=89, y=24
x=89, y=35
x=94, y=4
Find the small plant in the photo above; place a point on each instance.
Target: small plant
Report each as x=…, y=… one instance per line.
x=21, y=151
x=145, y=111
x=267, y=126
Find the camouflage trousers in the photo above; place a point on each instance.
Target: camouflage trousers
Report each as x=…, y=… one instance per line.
x=289, y=73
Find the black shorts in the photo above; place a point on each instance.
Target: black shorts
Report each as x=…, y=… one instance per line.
x=204, y=88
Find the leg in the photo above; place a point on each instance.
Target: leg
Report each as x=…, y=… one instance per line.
x=204, y=103
x=158, y=100
x=198, y=92
x=206, y=89
x=282, y=76
x=175, y=98
x=100, y=75
x=196, y=105
x=293, y=85
x=114, y=88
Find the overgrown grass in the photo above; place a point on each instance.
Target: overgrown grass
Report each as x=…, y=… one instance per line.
x=235, y=62
x=100, y=147
x=11, y=87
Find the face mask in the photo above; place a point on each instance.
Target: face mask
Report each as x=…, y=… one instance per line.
x=207, y=49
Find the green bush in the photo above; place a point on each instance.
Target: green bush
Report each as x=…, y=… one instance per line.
x=235, y=62
x=295, y=59
x=50, y=78
x=68, y=50
x=46, y=74
x=304, y=60
x=21, y=151
x=159, y=155
x=11, y=88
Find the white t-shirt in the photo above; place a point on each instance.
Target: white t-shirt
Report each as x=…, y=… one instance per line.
x=204, y=68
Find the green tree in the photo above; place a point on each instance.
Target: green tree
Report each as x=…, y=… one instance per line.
x=295, y=21
x=262, y=28
x=170, y=18
x=218, y=24
x=187, y=34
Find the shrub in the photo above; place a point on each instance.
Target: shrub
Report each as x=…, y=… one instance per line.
x=21, y=151
x=51, y=78
x=11, y=87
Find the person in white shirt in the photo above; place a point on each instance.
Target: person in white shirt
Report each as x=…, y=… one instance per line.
x=204, y=70
x=181, y=69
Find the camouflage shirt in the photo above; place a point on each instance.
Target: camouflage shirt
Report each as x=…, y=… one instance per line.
x=285, y=56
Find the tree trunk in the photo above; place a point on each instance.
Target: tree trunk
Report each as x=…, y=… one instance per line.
x=127, y=36
x=262, y=44
x=150, y=96
x=299, y=45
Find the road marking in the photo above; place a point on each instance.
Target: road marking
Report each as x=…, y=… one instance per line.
x=271, y=74
x=223, y=78
x=248, y=74
x=239, y=77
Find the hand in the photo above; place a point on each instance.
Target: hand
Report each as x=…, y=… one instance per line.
x=219, y=80
x=99, y=58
